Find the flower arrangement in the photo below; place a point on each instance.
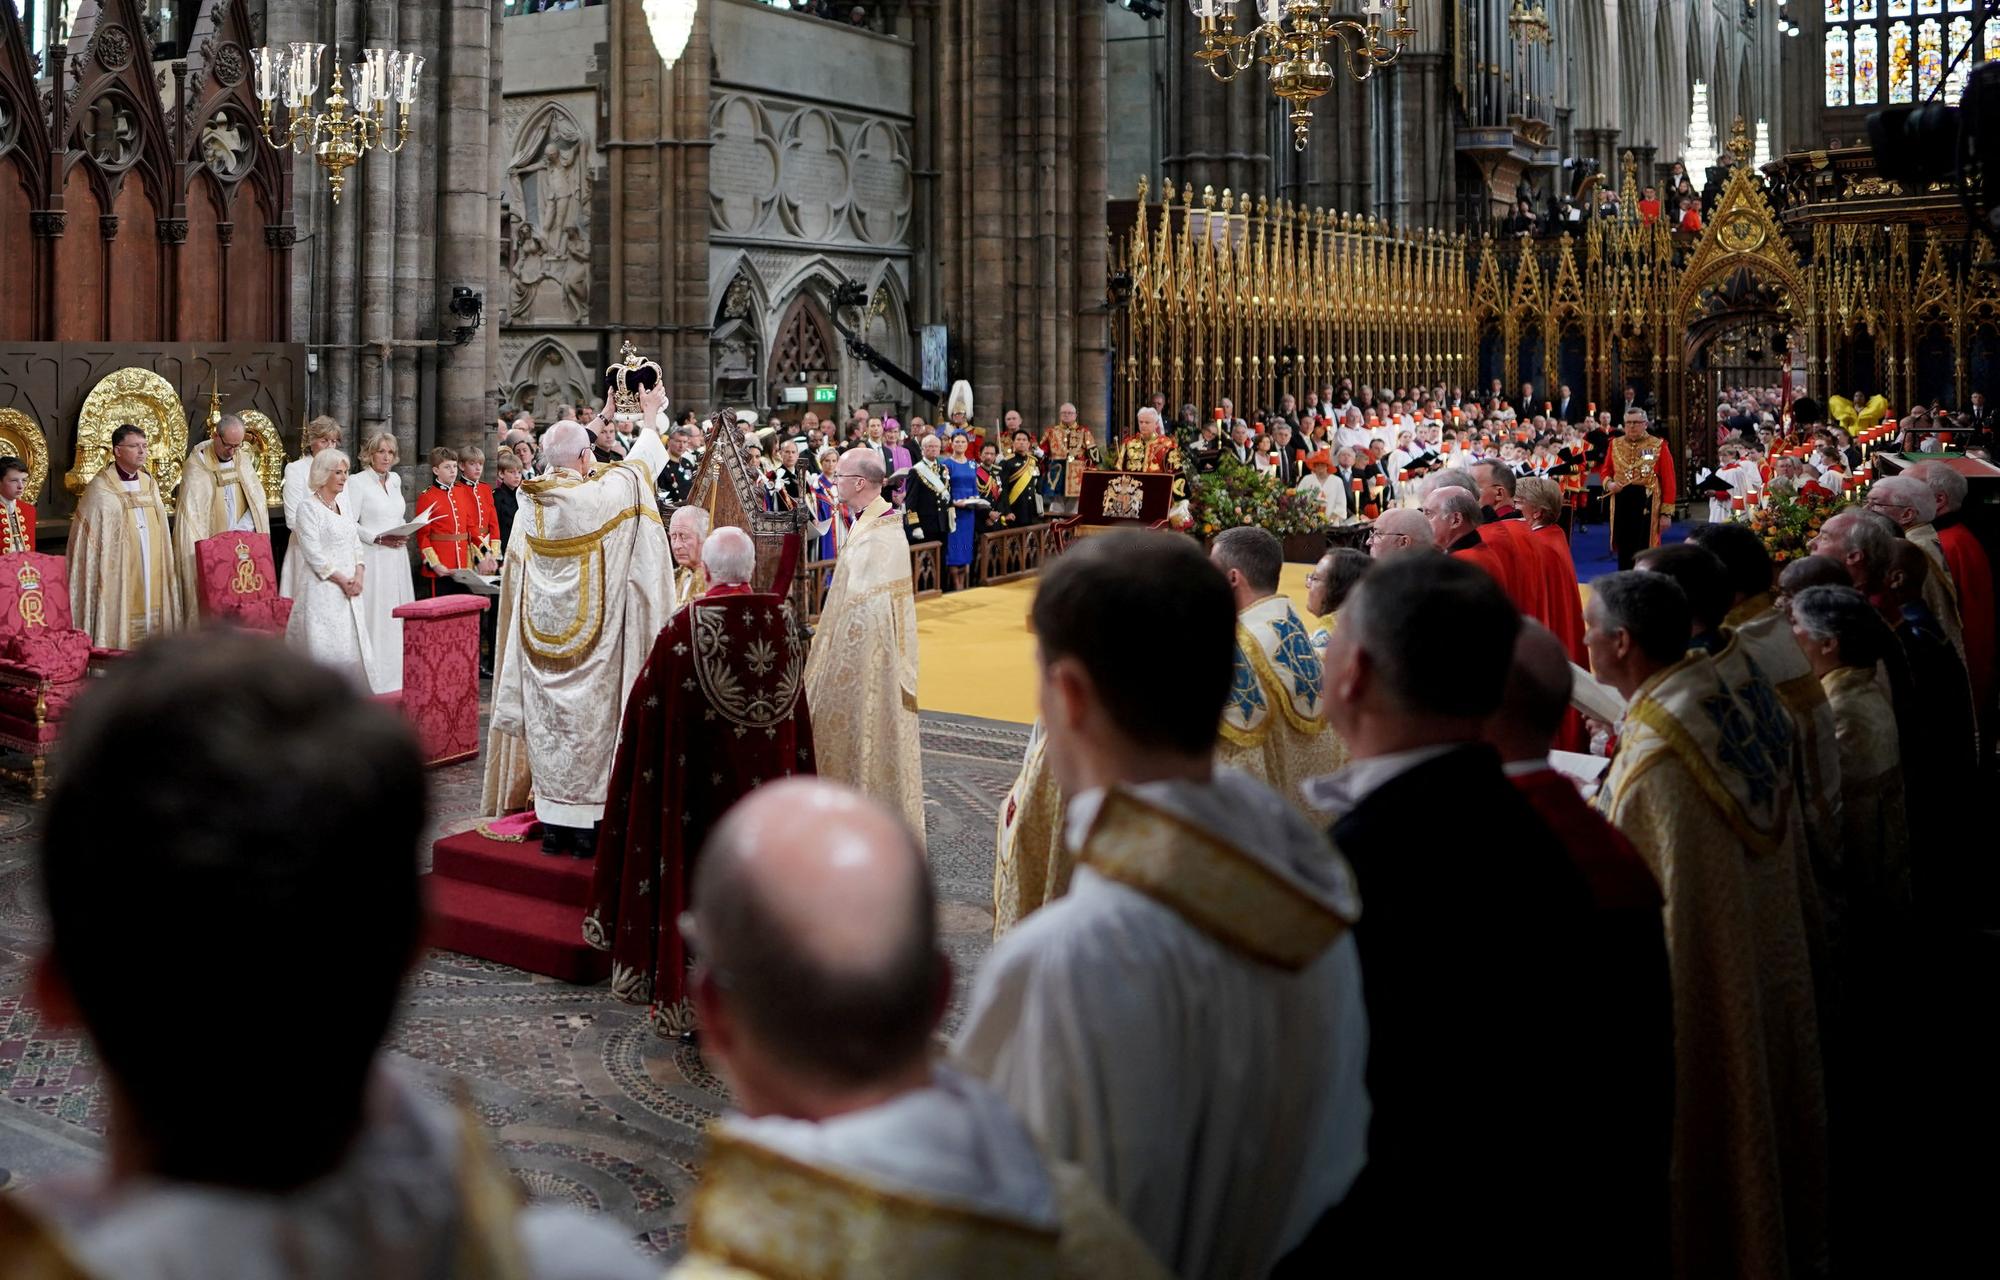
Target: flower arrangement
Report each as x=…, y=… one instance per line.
x=1788, y=522
x=1234, y=495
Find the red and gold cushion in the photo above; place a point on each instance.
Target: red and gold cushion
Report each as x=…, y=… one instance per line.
x=58, y=656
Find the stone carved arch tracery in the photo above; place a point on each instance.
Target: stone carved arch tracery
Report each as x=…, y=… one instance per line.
x=547, y=374
x=804, y=344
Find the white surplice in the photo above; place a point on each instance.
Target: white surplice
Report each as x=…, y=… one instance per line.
x=376, y=502
x=939, y=1181
x=327, y=623
x=1187, y=1022
x=596, y=587
x=404, y=1204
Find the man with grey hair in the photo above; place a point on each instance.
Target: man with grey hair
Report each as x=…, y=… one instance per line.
x=1149, y=450
x=687, y=527
x=731, y=561
x=1709, y=803
x=1398, y=531
x=1272, y=727
x=1638, y=475
x=1476, y=941
x=595, y=587
x=821, y=1021
x=861, y=679
x=220, y=493
x=1451, y=505
x=1909, y=502
x=1972, y=575
x=1861, y=542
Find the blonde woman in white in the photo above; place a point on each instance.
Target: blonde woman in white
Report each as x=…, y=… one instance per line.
x=327, y=620
x=321, y=433
x=375, y=497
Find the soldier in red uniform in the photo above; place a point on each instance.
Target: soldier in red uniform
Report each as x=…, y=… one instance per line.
x=484, y=548
x=445, y=542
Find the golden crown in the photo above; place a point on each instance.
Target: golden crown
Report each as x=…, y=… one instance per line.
x=626, y=379
x=29, y=577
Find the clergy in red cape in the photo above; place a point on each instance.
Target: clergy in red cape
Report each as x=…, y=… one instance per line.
x=1453, y=513
x=1971, y=577
x=718, y=710
x=1541, y=502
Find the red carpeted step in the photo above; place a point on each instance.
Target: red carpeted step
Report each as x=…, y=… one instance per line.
x=512, y=928
x=518, y=866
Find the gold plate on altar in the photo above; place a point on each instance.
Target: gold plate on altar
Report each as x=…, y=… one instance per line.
x=269, y=447
x=21, y=437
x=147, y=401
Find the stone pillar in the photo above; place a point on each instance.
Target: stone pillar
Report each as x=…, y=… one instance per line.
x=1600, y=145
x=1218, y=134
x=659, y=196
x=1018, y=228
x=468, y=223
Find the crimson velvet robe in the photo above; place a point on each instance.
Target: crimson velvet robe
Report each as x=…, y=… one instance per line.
x=1972, y=574
x=718, y=710
x=1502, y=560
x=1562, y=613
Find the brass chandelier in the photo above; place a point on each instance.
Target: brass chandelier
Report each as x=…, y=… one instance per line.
x=335, y=137
x=1529, y=23
x=1296, y=38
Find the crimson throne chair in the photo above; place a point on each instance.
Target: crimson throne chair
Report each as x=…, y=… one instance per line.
x=237, y=581
x=44, y=660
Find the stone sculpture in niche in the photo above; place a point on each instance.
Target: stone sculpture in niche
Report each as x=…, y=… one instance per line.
x=549, y=183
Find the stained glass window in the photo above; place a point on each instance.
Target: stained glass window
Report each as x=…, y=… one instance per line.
x=1901, y=63
x=1866, y=73
x=1899, y=8
x=1930, y=6
x=1836, y=68
x=1959, y=6
x=1864, y=9
x=1836, y=10
x=1991, y=53
x=1930, y=58
x=1960, y=67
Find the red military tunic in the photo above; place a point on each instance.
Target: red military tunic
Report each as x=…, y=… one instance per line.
x=482, y=519
x=443, y=542
x=17, y=528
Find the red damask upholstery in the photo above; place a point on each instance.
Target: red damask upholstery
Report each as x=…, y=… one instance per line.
x=441, y=674
x=236, y=580
x=44, y=660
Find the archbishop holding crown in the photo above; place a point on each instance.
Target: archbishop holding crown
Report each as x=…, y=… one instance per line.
x=595, y=587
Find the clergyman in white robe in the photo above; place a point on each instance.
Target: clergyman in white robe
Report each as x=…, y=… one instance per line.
x=596, y=586
x=216, y=497
x=943, y=1180
x=1187, y=1022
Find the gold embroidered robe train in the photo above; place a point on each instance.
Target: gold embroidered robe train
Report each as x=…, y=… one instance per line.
x=216, y=497
x=1874, y=815
x=861, y=679
x=595, y=585
x=1272, y=727
x=124, y=583
x=1031, y=861
x=1706, y=796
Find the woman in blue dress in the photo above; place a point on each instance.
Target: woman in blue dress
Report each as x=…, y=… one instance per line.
x=964, y=492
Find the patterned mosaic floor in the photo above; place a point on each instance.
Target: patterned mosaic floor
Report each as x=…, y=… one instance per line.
x=587, y=1105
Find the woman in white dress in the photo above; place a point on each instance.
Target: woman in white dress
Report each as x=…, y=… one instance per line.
x=321, y=433
x=376, y=499
x=327, y=622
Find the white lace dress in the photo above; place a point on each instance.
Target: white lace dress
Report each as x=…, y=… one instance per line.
x=377, y=504
x=327, y=623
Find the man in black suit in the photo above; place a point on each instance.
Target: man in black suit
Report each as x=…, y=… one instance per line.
x=1633, y=400
x=1569, y=408
x=1980, y=418
x=1289, y=456
x=1476, y=934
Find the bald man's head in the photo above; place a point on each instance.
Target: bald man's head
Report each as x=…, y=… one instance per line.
x=815, y=917
x=1400, y=530
x=1909, y=567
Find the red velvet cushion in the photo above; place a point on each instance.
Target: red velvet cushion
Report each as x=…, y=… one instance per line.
x=58, y=656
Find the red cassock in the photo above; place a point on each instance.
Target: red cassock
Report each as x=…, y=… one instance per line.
x=1563, y=615
x=1523, y=581
x=718, y=710
x=1972, y=574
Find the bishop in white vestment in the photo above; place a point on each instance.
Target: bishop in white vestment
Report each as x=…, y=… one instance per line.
x=220, y=493
x=596, y=586
x=124, y=583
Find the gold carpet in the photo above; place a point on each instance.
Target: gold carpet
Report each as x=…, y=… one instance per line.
x=976, y=655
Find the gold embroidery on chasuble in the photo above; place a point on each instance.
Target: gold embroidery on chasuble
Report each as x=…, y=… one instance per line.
x=1737, y=763
x=772, y=690
x=564, y=613
x=1213, y=885
x=1276, y=669
x=775, y=1216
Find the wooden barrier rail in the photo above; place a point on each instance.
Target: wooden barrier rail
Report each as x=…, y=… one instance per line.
x=926, y=577
x=1006, y=554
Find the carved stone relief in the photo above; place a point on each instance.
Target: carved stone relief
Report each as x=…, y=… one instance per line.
x=808, y=173
x=548, y=181
x=546, y=374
